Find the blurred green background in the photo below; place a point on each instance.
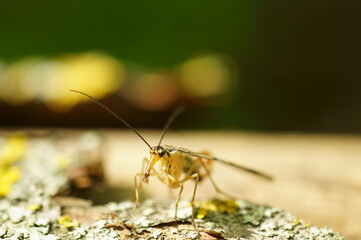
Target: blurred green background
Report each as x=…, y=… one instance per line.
x=294, y=65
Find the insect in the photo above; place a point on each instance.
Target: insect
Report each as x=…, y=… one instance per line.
x=173, y=165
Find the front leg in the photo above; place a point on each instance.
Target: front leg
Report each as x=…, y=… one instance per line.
x=137, y=186
x=145, y=162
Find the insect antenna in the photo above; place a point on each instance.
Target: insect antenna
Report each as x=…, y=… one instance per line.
x=172, y=117
x=113, y=113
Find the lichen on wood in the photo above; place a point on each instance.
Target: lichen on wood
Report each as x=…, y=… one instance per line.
x=32, y=209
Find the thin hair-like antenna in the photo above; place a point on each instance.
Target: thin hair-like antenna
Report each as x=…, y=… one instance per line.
x=174, y=115
x=113, y=113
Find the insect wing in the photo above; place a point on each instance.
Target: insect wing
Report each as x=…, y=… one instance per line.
x=246, y=169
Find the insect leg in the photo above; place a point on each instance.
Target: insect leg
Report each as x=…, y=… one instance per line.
x=196, y=177
x=146, y=160
x=187, y=173
x=137, y=188
x=218, y=190
x=193, y=167
x=180, y=184
x=137, y=183
x=144, y=163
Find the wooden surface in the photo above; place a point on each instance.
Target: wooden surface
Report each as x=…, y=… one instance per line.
x=317, y=177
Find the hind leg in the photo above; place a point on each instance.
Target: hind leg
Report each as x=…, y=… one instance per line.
x=218, y=190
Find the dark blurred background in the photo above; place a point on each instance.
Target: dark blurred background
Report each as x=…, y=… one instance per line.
x=250, y=65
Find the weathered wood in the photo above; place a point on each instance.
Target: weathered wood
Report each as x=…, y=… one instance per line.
x=51, y=162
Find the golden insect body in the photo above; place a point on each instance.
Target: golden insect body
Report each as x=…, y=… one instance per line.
x=170, y=171
x=176, y=165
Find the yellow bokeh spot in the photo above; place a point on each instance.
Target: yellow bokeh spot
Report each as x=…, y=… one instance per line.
x=67, y=221
x=205, y=76
x=93, y=73
x=17, y=87
x=50, y=80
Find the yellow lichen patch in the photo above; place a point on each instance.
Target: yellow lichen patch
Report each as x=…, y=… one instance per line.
x=33, y=207
x=222, y=206
x=296, y=222
x=201, y=213
x=4, y=189
x=63, y=161
x=8, y=176
x=67, y=221
x=12, y=150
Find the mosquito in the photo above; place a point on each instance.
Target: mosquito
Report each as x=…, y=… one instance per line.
x=175, y=165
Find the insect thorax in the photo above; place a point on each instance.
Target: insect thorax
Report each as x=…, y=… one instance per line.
x=173, y=162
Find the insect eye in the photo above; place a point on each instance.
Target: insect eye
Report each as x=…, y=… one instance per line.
x=160, y=152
